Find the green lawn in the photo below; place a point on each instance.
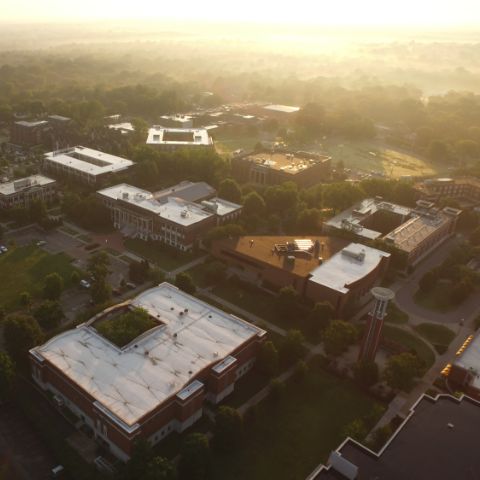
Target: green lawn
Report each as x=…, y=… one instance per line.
x=437, y=299
x=435, y=334
x=395, y=315
x=410, y=341
x=165, y=257
x=287, y=440
x=370, y=156
x=24, y=268
x=198, y=274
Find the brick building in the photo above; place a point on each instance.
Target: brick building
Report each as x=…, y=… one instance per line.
x=415, y=231
x=319, y=268
x=20, y=193
x=29, y=134
x=275, y=167
x=462, y=189
x=84, y=164
x=177, y=216
x=158, y=382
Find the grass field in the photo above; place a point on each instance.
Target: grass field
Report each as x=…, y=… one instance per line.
x=370, y=157
x=395, y=315
x=288, y=439
x=167, y=258
x=23, y=270
x=435, y=334
x=410, y=342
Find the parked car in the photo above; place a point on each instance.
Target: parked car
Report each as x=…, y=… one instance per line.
x=57, y=472
x=3, y=248
x=41, y=243
x=85, y=284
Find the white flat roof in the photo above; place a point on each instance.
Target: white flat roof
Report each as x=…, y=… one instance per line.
x=24, y=184
x=106, y=162
x=282, y=108
x=125, y=126
x=351, y=218
x=132, y=381
x=347, y=266
x=470, y=360
x=175, y=209
x=200, y=136
x=223, y=207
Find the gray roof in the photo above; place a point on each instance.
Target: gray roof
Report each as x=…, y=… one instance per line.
x=188, y=191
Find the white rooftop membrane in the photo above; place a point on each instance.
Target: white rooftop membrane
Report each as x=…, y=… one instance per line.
x=347, y=266
x=67, y=158
x=26, y=183
x=132, y=381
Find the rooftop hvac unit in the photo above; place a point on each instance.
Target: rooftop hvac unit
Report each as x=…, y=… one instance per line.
x=184, y=214
x=125, y=195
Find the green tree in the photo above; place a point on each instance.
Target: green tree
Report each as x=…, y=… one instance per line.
x=292, y=348
x=48, y=314
x=7, y=375
x=159, y=468
x=338, y=336
x=277, y=389
x=320, y=316
x=267, y=358
x=25, y=299
x=97, y=267
x=229, y=190
x=253, y=205
x=475, y=237
x=75, y=278
x=401, y=370
x=184, y=282
x=301, y=370
x=194, y=461
x=438, y=151
x=308, y=220
x=52, y=286
x=428, y=281
x=21, y=333
x=366, y=373
x=228, y=429
x=356, y=430
x=287, y=303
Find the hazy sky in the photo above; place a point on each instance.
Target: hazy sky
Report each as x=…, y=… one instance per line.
x=325, y=12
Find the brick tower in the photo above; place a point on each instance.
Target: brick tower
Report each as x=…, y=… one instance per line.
x=373, y=328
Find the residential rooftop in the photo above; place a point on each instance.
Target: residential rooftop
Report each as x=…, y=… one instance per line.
x=282, y=108
x=266, y=249
x=347, y=266
x=88, y=160
x=158, y=135
x=132, y=381
x=436, y=441
x=291, y=163
x=26, y=183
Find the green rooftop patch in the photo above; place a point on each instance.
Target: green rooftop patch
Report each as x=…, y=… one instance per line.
x=123, y=328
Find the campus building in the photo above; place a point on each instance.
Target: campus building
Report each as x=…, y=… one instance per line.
x=178, y=216
x=170, y=139
x=275, y=167
x=463, y=189
x=436, y=441
x=319, y=268
x=20, y=193
x=84, y=164
x=415, y=231
x=29, y=134
x=159, y=382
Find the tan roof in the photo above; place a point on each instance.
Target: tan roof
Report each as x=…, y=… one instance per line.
x=262, y=251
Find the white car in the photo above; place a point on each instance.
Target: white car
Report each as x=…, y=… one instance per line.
x=84, y=284
x=41, y=243
x=3, y=249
